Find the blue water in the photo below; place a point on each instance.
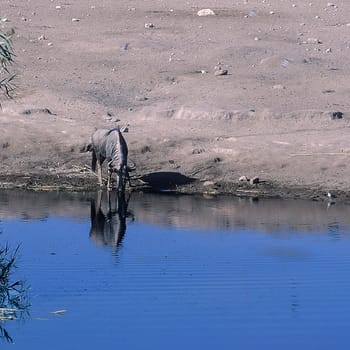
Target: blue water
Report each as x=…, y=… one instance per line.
x=254, y=283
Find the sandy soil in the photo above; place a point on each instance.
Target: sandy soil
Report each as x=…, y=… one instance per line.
x=150, y=66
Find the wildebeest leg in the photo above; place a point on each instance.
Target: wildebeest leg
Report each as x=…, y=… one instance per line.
x=109, y=181
x=122, y=177
x=99, y=172
x=109, y=201
x=120, y=182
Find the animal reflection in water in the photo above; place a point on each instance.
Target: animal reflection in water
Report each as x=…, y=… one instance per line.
x=108, y=218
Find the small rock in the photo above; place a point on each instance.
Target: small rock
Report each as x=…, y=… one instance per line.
x=198, y=151
x=4, y=19
x=254, y=181
x=75, y=19
x=220, y=71
x=313, y=41
x=328, y=50
x=145, y=149
x=42, y=37
x=58, y=7
x=30, y=111
x=49, y=44
x=337, y=115
x=331, y=195
x=208, y=183
x=149, y=25
x=243, y=179
x=206, y=12
x=125, y=46
x=141, y=98
x=278, y=87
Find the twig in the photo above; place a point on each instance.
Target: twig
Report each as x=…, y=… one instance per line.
x=200, y=169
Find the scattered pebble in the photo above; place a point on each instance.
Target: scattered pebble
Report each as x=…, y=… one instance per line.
x=328, y=91
x=331, y=195
x=141, y=98
x=145, y=149
x=198, y=151
x=278, y=87
x=219, y=71
x=125, y=46
x=330, y=4
x=243, y=179
x=252, y=13
x=337, y=115
x=313, y=41
x=208, y=183
x=206, y=12
x=149, y=25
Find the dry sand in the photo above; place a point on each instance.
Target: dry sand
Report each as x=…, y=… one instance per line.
x=150, y=65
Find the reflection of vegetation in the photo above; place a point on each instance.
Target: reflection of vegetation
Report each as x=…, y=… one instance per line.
x=13, y=294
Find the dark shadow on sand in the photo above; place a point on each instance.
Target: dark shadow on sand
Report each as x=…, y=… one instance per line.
x=165, y=180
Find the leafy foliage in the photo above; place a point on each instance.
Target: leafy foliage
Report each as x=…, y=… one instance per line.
x=6, y=59
x=13, y=294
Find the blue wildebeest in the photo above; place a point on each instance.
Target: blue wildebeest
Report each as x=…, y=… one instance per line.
x=110, y=145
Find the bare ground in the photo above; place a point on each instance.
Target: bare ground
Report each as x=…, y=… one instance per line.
x=85, y=64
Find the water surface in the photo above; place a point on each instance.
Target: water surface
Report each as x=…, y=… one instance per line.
x=161, y=271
